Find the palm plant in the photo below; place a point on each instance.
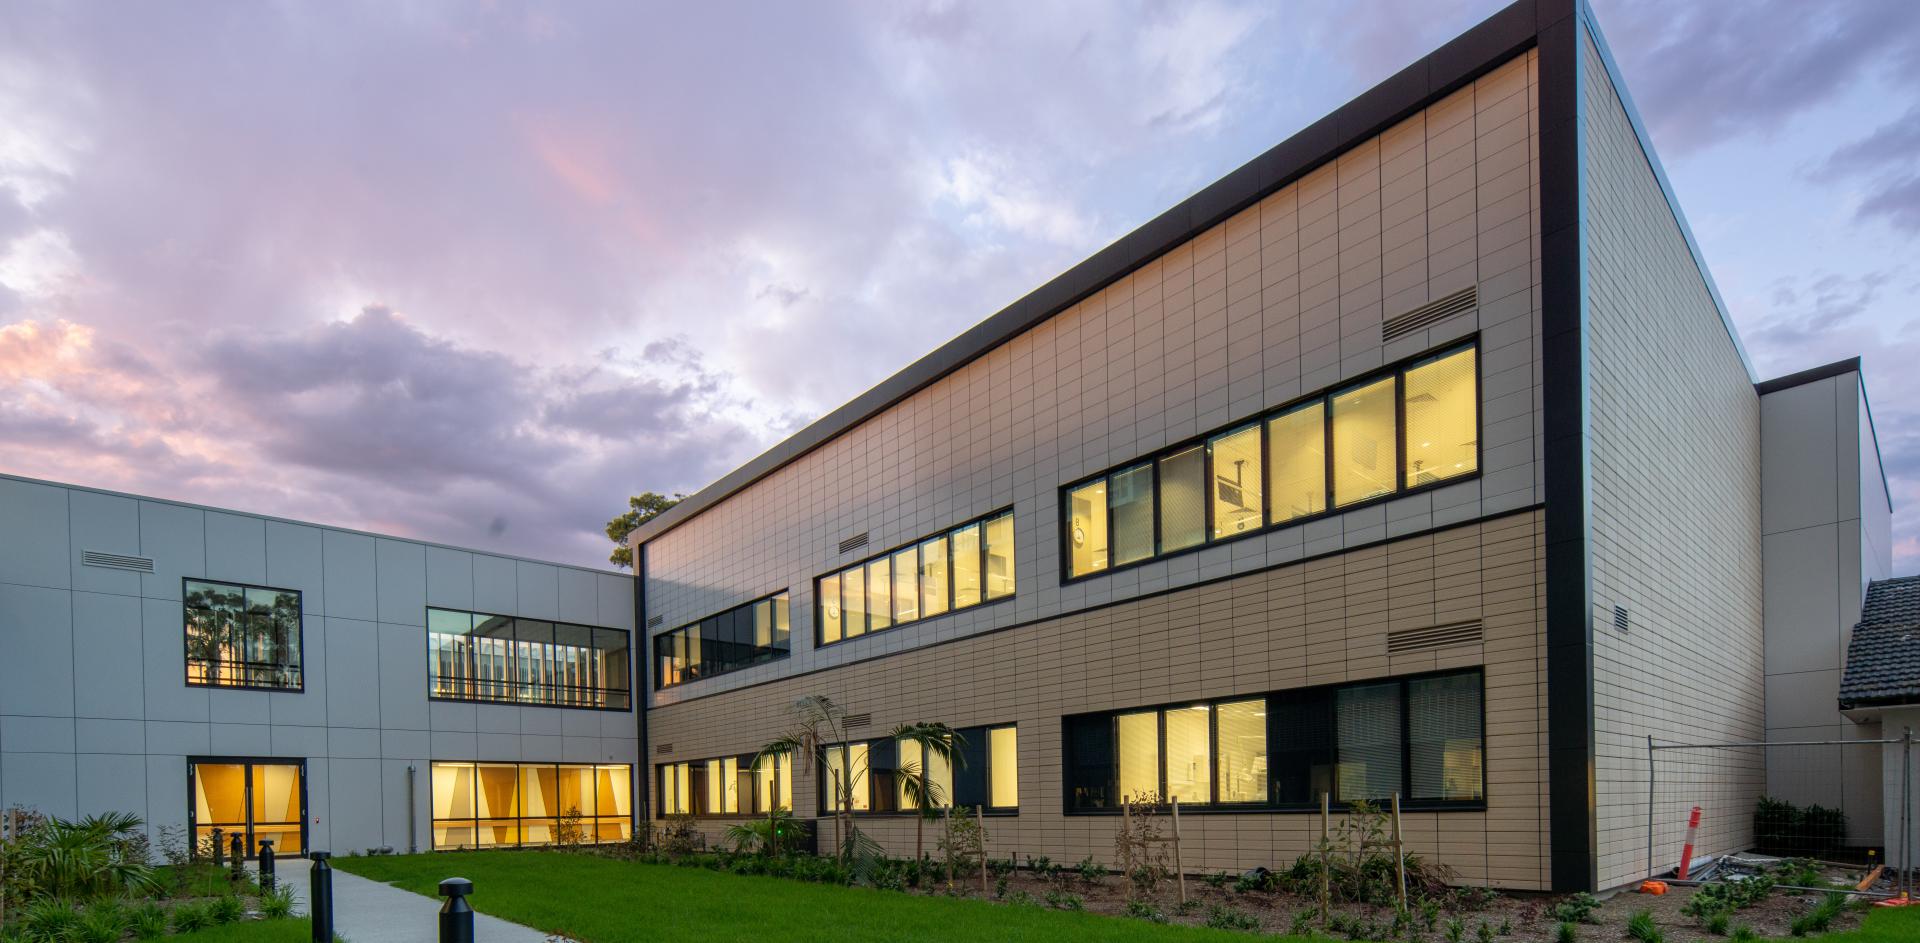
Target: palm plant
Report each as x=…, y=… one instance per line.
x=933, y=739
x=761, y=835
x=818, y=723
x=94, y=856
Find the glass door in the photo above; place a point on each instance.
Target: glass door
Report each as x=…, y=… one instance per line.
x=258, y=798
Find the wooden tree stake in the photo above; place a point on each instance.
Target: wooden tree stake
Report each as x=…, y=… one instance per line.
x=980, y=821
x=1325, y=889
x=1179, y=870
x=1399, y=855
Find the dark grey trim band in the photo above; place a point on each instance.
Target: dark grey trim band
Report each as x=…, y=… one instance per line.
x=1474, y=53
x=643, y=674
x=1571, y=798
x=1791, y=380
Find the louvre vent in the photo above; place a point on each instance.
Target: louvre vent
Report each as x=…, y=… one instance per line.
x=1431, y=313
x=656, y=621
x=855, y=542
x=857, y=720
x=663, y=749
x=1621, y=619
x=115, y=561
x=1439, y=636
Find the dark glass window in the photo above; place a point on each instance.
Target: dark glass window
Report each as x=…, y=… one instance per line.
x=1418, y=737
x=737, y=638
x=242, y=636
x=473, y=656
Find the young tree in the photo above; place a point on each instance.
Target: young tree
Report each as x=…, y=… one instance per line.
x=641, y=508
x=817, y=723
x=934, y=739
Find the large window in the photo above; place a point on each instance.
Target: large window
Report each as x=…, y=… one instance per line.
x=492, y=805
x=737, y=638
x=1410, y=427
x=966, y=566
x=1418, y=737
x=242, y=636
x=472, y=656
x=727, y=785
x=982, y=769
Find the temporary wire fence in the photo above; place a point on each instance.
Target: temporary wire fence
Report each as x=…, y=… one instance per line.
x=1834, y=802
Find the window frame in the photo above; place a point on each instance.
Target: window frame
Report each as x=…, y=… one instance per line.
x=654, y=640
x=588, y=822
x=1325, y=397
x=985, y=732
x=953, y=590
x=631, y=692
x=744, y=770
x=1271, y=805
x=186, y=650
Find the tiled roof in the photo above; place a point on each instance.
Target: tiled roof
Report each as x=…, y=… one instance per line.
x=1883, y=662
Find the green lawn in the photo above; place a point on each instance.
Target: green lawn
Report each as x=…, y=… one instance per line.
x=597, y=900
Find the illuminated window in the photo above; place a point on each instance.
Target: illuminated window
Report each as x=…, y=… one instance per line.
x=1419, y=737
x=1239, y=483
x=1363, y=443
x=1443, y=418
x=1087, y=528
x=846, y=780
x=1297, y=442
x=482, y=805
x=473, y=656
x=242, y=636
x=740, y=637
x=1003, y=767
x=967, y=566
x=934, y=770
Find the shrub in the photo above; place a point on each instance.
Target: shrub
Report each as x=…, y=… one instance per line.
x=1578, y=908
x=1143, y=910
x=1455, y=930
x=1640, y=927
x=277, y=904
x=1717, y=924
x=102, y=923
x=1782, y=828
x=190, y=917
x=49, y=921
x=1569, y=932
x=97, y=855
x=1821, y=916
x=1065, y=901
x=1745, y=934
x=226, y=909
x=149, y=922
x=1090, y=871
x=1228, y=918
x=1723, y=898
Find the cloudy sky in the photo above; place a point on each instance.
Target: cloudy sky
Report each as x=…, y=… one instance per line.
x=476, y=272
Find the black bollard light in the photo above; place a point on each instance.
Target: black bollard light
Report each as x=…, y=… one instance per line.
x=320, y=898
x=456, y=915
x=239, y=850
x=219, y=859
x=266, y=864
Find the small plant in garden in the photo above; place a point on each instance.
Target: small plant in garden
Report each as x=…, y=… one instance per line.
x=102, y=923
x=50, y=920
x=277, y=904
x=1745, y=934
x=190, y=917
x=999, y=888
x=1302, y=924
x=1578, y=908
x=1090, y=870
x=1429, y=913
x=149, y=922
x=1022, y=899
x=1188, y=907
x=1483, y=933
x=961, y=841
x=1065, y=901
x=226, y=909
x=1228, y=918
x=1137, y=845
x=1717, y=924
x=1143, y=910
x=1455, y=931
x=1821, y=916
x=1250, y=881
x=1568, y=933
x=1640, y=927
x=570, y=833
x=1218, y=879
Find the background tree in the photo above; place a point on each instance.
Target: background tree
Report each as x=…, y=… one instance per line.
x=641, y=508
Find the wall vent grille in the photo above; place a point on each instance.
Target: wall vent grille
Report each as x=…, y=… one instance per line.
x=857, y=720
x=1439, y=636
x=1431, y=313
x=1622, y=620
x=115, y=561
x=656, y=621
x=663, y=749
x=855, y=542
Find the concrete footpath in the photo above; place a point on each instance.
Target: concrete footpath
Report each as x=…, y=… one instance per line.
x=367, y=911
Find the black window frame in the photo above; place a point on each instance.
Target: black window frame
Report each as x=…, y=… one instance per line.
x=300, y=628
x=629, y=690
x=1324, y=397
x=819, y=602
x=1272, y=804
x=974, y=736
x=727, y=618
x=749, y=785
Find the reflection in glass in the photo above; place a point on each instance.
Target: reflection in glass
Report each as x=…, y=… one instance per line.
x=242, y=636
x=479, y=657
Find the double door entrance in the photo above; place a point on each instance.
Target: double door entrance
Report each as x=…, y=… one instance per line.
x=259, y=799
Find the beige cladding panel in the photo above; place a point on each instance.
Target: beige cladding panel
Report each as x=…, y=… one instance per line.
x=1282, y=299
x=1676, y=511
x=1317, y=622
